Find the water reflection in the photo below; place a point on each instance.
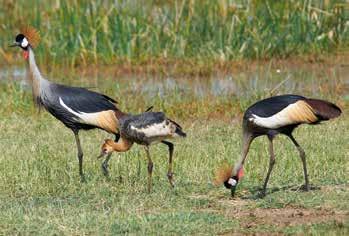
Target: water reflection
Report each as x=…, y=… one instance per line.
x=310, y=81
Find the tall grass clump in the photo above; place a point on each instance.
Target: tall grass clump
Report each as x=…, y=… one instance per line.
x=80, y=32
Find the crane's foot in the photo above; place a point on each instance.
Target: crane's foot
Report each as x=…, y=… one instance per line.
x=170, y=178
x=305, y=187
x=308, y=187
x=82, y=178
x=262, y=193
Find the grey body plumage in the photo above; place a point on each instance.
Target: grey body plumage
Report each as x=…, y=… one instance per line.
x=80, y=100
x=144, y=128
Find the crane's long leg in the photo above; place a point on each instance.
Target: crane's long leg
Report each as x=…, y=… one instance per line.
x=80, y=155
x=170, y=173
x=271, y=164
x=150, y=168
x=302, y=155
x=105, y=164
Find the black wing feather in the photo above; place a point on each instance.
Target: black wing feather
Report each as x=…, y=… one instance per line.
x=143, y=120
x=83, y=100
x=270, y=106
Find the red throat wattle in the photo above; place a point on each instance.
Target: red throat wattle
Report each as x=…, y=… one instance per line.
x=25, y=55
x=240, y=173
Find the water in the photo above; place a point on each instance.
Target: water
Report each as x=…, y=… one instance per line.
x=261, y=79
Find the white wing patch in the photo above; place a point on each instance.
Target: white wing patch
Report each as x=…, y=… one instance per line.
x=299, y=112
x=87, y=118
x=157, y=130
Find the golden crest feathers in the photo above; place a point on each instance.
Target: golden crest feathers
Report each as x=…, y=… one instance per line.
x=222, y=174
x=32, y=35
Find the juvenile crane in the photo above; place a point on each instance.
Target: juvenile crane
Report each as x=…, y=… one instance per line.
x=77, y=108
x=272, y=116
x=145, y=129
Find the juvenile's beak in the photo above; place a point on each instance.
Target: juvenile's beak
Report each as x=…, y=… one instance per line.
x=101, y=155
x=14, y=44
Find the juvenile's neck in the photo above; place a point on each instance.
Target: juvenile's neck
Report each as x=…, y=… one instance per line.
x=122, y=145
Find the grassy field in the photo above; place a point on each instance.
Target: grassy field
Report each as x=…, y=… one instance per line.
x=203, y=63
x=41, y=193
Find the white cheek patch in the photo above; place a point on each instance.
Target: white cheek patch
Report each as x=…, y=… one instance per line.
x=232, y=182
x=24, y=43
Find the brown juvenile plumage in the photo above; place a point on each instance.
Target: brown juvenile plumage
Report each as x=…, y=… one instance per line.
x=32, y=35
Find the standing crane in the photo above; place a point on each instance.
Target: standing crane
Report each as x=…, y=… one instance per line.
x=272, y=116
x=77, y=108
x=145, y=129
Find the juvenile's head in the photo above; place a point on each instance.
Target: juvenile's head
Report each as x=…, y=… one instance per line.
x=107, y=147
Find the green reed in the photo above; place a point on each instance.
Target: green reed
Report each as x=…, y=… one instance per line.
x=82, y=32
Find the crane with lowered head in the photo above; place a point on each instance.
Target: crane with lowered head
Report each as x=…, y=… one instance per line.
x=272, y=116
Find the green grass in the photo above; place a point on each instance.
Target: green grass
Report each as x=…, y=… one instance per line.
x=40, y=191
x=80, y=33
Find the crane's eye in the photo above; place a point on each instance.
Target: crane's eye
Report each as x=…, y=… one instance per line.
x=105, y=150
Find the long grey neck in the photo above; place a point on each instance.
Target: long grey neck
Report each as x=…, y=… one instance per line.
x=36, y=79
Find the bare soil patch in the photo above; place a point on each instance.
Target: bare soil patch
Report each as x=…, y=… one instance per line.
x=289, y=217
x=281, y=217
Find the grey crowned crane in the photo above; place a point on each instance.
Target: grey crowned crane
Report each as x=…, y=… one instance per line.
x=272, y=116
x=145, y=129
x=77, y=108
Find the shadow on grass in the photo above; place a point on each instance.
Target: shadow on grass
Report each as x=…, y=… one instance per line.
x=257, y=192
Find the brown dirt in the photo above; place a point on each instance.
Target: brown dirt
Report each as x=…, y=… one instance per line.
x=282, y=217
x=290, y=216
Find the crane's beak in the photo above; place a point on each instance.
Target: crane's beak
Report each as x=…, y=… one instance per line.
x=233, y=188
x=231, y=184
x=14, y=44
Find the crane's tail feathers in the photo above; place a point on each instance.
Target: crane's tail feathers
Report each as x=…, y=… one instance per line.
x=222, y=174
x=324, y=110
x=180, y=133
